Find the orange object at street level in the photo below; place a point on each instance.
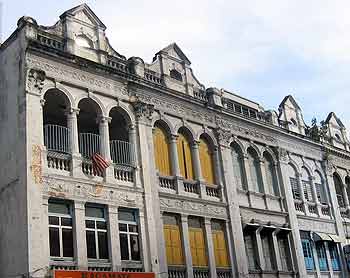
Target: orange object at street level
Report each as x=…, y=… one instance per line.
x=100, y=274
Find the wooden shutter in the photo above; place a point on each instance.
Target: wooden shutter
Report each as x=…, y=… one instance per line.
x=206, y=161
x=185, y=157
x=161, y=152
x=173, y=244
x=197, y=243
x=220, y=250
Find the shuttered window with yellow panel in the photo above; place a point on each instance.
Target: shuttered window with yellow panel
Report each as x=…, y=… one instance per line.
x=173, y=244
x=206, y=161
x=185, y=157
x=219, y=242
x=197, y=243
x=161, y=151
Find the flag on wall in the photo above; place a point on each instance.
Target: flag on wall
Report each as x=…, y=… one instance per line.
x=99, y=164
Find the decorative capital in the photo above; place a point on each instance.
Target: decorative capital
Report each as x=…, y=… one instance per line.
x=283, y=155
x=35, y=81
x=329, y=167
x=143, y=110
x=224, y=136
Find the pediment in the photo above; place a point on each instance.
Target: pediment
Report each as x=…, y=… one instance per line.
x=173, y=50
x=85, y=14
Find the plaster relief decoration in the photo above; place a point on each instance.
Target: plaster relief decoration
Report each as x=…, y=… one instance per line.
x=224, y=136
x=35, y=81
x=191, y=207
x=283, y=155
x=177, y=109
x=254, y=134
x=319, y=226
x=69, y=189
x=36, y=165
x=142, y=110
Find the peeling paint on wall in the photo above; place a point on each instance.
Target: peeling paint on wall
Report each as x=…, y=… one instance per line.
x=36, y=166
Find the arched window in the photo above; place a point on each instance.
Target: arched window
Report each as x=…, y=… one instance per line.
x=238, y=167
x=255, y=173
x=294, y=184
x=339, y=190
x=176, y=75
x=271, y=177
x=320, y=188
x=347, y=182
x=56, y=131
x=206, y=160
x=306, y=180
x=185, y=156
x=161, y=151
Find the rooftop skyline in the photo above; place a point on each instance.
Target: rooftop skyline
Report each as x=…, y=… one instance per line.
x=262, y=51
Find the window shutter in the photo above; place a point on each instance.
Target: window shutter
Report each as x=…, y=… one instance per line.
x=238, y=169
x=185, y=157
x=161, y=152
x=206, y=161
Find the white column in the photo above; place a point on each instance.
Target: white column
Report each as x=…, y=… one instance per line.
x=133, y=141
x=196, y=161
x=104, y=133
x=175, y=167
x=79, y=237
x=210, y=247
x=72, y=124
x=218, y=173
x=113, y=234
x=186, y=245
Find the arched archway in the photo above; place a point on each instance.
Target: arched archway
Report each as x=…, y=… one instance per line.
x=206, y=157
x=271, y=175
x=255, y=172
x=338, y=185
x=238, y=166
x=185, y=154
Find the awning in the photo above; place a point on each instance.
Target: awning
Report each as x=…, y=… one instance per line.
x=321, y=237
x=335, y=238
x=316, y=236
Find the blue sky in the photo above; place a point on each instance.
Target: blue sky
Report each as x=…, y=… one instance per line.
x=262, y=50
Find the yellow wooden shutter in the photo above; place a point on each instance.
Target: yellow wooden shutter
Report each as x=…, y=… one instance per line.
x=207, y=163
x=220, y=250
x=185, y=157
x=198, y=250
x=161, y=152
x=173, y=244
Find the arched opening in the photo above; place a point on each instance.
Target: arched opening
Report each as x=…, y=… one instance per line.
x=185, y=154
x=176, y=75
x=306, y=180
x=255, y=173
x=320, y=188
x=293, y=180
x=238, y=166
x=206, y=157
x=271, y=176
x=161, y=150
x=347, y=182
x=121, y=147
x=339, y=190
x=88, y=128
x=56, y=132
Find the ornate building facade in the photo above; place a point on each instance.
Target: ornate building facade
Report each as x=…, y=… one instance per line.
x=201, y=182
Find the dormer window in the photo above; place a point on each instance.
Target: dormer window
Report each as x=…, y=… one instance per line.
x=83, y=41
x=293, y=122
x=337, y=136
x=176, y=75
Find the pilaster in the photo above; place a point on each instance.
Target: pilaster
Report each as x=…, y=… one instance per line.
x=210, y=248
x=113, y=233
x=80, y=250
x=186, y=245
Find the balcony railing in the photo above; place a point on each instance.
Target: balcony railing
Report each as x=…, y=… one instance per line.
x=299, y=206
x=176, y=272
x=191, y=187
x=167, y=182
x=223, y=273
x=325, y=210
x=212, y=191
x=89, y=144
x=56, y=138
x=122, y=153
x=200, y=272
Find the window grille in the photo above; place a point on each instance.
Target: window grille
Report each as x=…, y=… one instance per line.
x=267, y=250
x=333, y=252
x=285, y=255
x=321, y=254
x=250, y=248
x=307, y=190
